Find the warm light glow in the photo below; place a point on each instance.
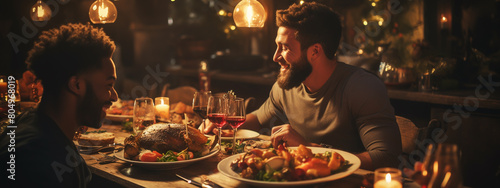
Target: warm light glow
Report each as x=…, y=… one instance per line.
x=388, y=177
x=249, y=13
x=222, y=12
x=102, y=12
x=443, y=19
x=446, y=179
x=381, y=21
x=301, y=2
x=365, y=22
x=374, y=4
x=40, y=11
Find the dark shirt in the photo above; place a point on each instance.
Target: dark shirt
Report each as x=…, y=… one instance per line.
x=351, y=112
x=43, y=156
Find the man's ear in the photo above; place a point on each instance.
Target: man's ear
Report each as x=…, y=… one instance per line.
x=315, y=51
x=76, y=85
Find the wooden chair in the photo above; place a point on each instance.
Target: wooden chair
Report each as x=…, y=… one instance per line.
x=182, y=94
x=409, y=133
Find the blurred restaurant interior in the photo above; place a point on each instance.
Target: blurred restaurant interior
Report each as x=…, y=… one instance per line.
x=439, y=59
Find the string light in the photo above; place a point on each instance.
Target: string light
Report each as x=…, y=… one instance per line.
x=102, y=12
x=40, y=11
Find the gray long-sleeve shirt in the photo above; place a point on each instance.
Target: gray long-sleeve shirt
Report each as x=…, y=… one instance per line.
x=351, y=112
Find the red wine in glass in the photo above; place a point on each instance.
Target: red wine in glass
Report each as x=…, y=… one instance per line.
x=218, y=119
x=201, y=111
x=235, y=121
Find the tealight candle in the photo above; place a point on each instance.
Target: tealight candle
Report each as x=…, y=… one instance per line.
x=387, y=178
x=162, y=106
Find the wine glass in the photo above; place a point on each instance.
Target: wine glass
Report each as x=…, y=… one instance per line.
x=144, y=114
x=200, y=103
x=235, y=117
x=217, y=113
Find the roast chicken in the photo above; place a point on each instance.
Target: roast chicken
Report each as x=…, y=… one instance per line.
x=162, y=137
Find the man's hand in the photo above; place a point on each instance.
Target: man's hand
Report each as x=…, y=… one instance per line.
x=288, y=134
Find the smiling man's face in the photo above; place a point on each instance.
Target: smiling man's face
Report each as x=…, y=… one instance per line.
x=294, y=65
x=99, y=95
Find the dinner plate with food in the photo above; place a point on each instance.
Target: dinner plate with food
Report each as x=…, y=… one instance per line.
x=289, y=166
x=164, y=146
x=120, y=110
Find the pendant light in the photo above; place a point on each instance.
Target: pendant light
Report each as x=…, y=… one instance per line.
x=249, y=13
x=40, y=11
x=102, y=12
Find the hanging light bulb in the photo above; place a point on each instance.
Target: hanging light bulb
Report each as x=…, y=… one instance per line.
x=249, y=13
x=102, y=12
x=40, y=11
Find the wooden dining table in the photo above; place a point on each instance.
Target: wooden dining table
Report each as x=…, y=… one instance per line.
x=128, y=175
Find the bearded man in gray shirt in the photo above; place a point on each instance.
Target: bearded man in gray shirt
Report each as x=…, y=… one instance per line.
x=322, y=100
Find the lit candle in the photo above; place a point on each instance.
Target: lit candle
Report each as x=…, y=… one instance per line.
x=387, y=183
x=162, y=107
x=387, y=178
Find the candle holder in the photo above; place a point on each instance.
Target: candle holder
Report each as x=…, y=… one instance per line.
x=162, y=106
x=388, y=178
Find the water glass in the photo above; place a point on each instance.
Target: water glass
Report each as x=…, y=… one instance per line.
x=144, y=114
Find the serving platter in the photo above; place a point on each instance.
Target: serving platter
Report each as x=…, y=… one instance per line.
x=224, y=167
x=165, y=165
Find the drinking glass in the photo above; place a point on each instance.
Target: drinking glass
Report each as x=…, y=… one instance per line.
x=144, y=114
x=200, y=103
x=445, y=168
x=235, y=117
x=217, y=113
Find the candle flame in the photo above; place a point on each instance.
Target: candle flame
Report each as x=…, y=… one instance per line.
x=388, y=177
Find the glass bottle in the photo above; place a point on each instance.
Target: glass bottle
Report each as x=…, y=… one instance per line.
x=445, y=169
x=204, y=77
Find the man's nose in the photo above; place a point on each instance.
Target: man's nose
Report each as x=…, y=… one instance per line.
x=277, y=55
x=114, y=95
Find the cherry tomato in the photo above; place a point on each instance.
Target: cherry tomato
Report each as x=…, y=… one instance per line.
x=148, y=157
x=191, y=155
x=157, y=154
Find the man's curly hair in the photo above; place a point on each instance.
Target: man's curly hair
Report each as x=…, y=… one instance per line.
x=315, y=23
x=66, y=51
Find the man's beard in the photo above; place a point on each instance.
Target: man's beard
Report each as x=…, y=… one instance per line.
x=90, y=109
x=296, y=74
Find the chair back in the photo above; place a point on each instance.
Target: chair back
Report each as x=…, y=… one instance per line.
x=409, y=133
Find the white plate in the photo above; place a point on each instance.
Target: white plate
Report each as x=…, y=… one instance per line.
x=224, y=167
x=166, y=165
x=114, y=117
x=241, y=134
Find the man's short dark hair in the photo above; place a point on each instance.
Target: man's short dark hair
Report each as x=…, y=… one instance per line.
x=315, y=23
x=66, y=51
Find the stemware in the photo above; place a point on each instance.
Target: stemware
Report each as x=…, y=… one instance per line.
x=200, y=103
x=144, y=114
x=217, y=113
x=236, y=117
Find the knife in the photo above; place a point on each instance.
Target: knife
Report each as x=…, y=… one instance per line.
x=192, y=182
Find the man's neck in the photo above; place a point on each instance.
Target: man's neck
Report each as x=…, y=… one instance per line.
x=320, y=74
x=62, y=113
